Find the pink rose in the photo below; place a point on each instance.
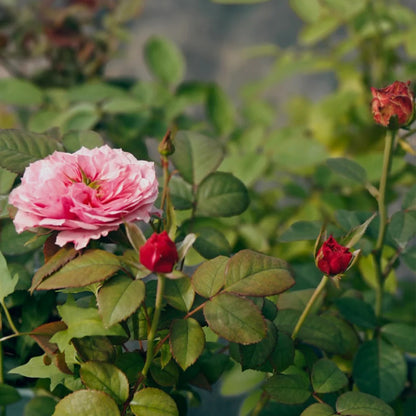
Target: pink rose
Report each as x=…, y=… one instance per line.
x=395, y=101
x=84, y=195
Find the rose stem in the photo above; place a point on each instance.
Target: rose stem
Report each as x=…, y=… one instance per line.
x=166, y=178
x=9, y=318
x=155, y=322
x=382, y=211
x=309, y=305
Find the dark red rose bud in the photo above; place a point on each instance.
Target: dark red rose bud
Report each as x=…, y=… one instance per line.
x=332, y=258
x=159, y=253
x=393, y=106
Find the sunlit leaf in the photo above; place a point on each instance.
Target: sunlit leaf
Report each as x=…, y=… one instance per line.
x=153, y=402
x=87, y=403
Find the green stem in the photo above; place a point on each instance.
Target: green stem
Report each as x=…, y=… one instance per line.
x=309, y=305
x=382, y=208
x=382, y=211
x=9, y=318
x=166, y=178
x=155, y=323
x=264, y=399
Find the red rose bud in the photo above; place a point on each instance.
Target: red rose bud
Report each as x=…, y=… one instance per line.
x=393, y=104
x=159, y=253
x=332, y=258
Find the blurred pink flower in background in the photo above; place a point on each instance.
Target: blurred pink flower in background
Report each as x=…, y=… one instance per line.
x=84, y=195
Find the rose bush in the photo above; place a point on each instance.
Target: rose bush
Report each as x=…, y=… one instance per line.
x=97, y=331
x=84, y=195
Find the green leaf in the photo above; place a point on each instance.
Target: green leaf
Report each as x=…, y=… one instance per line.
x=346, y=8
x=301, y=230
x=82, y=322
x=326, y=377
x=284, y=353
x=409, y=200
x=401, y=335
x=105, y=377
x=180, y=193
x=236, y=382
x=82, y=116
x=235, y=318
x=20, y=148
x=298, y=299
x=380, y=369
x=153, y=402
x=19, y=92
x=318, y=409
x=87, y=403
x=210, y=242
x=164, y=60
x=354, y=236
x=58, y=260
x=6, y=180
x=220, y=110
x=8, y=395
x=402, y=227
x=93, y=266
x=40, y=406
x=196, y=156
x=131, y=363
x=354, y=403
x=95, y=348
x=187, y=341
x=7, y=282
x=75, y=139
x=323, y=332
x=288, y=388
x=208, y=278
x=357, y=312
x=179, y=293
x=254, y=355
x=221, y=194
x=36, y=368
x=124, y=105
x=409, y=257
x=348, y=169
x=13, y=244
x=249, y=273
x=119, y=298
x=317, y=31
x=94, y=92
x=308, y=10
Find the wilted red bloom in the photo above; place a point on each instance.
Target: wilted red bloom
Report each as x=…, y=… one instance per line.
x=333, y=258
x=88, y=3
x=395, y=100
x=159, y=253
